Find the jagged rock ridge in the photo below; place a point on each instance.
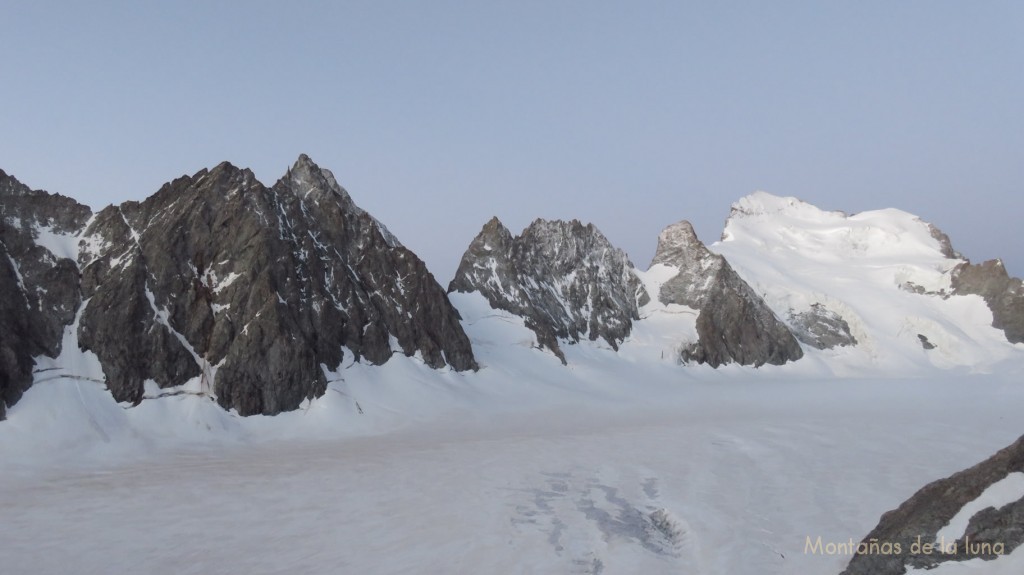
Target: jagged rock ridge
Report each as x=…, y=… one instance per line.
x=734, y=324
x=252, y=289
x=564, y=278
x=920, y=518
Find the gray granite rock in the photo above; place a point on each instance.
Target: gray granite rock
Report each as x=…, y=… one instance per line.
x=821, y=327
x=1003, y=294
x=945, y=245
x=734, y=324
x=563, y=278
x=250, y=288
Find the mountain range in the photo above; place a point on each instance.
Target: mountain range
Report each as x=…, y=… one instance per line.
x=261, y=298
x=219, y=285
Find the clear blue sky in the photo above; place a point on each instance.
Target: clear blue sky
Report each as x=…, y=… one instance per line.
x=631, y=115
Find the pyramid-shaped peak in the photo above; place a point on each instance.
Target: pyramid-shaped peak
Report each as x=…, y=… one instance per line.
x=306, y=166
x=677, y=244
x=494, y=235
x=305, y=177
x=493, y=224
x=681, y=231
x=225, y=166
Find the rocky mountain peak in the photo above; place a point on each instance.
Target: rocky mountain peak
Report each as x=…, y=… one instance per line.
x=304, y=161
x=494, y=228
x=678, y=246
x=221, y=280
x=312, y=184
x=493, y=237
x=559, y=242
x=27, y=209
x=563, y=277
x=551, y=229
x=734, y=323
x=309, y=178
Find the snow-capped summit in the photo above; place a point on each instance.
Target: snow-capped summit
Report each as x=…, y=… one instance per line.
x=792, y=225
x=762, y=203
x=876, y=283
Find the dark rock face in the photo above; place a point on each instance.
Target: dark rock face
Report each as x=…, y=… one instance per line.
x=217, y=273
x=931, y=509
x=927, y=345
x=734, y=323
x=17, y=345
x=945, y=245
x=39, y=288
x=1003, y=294
x=250, y=288
x=564, y=278
x=821, y=327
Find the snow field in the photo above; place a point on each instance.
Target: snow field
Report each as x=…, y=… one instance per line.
x=619, y=462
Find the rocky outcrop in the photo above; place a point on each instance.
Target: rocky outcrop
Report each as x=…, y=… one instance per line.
x=925, y=343
x=39, y=279
x=990, y=532
x=734, y=324
x=249, y=289
x=1003, y=294
x=564, y=278
x=945, y=245
x=821, y=328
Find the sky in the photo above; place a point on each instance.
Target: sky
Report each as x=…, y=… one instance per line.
x=437, y=115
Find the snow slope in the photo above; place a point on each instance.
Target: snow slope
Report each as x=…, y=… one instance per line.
x=612, y=464
x=423, y=472
x=863, y=267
